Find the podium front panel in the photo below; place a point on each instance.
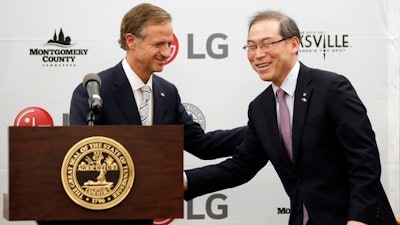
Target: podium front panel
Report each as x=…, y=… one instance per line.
x=36, y=156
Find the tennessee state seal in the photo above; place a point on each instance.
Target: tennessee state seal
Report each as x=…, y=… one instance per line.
x=97, y=173
x=196, y=114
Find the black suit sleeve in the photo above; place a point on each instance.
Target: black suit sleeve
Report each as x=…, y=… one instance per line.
x=239, y=169
x=210, y=145
x=355, y=135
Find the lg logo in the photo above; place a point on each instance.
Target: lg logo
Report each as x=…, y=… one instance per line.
x=163, y=221
x=213, y=210
x=33, y=117
x=221, y=213
x=214, y=40
x=215, y=47
x=174, y=49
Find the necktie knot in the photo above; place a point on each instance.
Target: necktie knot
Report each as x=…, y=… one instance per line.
x=280, y=94
x=146, y=91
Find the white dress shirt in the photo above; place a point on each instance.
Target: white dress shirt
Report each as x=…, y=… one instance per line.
x=136, y=83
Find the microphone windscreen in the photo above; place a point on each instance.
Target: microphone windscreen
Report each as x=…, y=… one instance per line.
x=91, y=77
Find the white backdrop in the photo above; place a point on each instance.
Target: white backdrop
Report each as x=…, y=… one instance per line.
x=361, y=42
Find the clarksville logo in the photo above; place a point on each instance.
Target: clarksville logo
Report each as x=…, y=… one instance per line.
x=321, y=42
x=58, y=51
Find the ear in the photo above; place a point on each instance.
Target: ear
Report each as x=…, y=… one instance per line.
x=130, y=40
x=295, y=44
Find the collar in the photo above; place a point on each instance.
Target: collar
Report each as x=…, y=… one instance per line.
x=289, y=84
x=133, y=78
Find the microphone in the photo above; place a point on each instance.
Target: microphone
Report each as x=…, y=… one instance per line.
x=92, y=83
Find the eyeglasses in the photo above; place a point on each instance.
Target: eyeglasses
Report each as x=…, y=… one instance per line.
x=265, y=47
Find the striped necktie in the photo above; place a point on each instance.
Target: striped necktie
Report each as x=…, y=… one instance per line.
x=144, y=109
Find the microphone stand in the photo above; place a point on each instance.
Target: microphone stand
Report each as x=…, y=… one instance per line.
x=91, y=117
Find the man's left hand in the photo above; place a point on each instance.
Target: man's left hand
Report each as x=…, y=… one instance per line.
x=352, y=222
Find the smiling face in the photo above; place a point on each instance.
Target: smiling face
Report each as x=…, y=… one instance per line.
x=148, y=54
x=273, y=63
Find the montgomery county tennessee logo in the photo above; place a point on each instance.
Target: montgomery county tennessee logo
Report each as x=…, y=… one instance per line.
x=323, y=43
x=58, y=51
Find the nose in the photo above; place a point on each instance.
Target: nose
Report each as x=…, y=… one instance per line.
x=166, y=51
x=260, y=52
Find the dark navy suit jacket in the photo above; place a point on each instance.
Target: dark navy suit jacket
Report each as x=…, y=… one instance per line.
x=336, y=167
x=119, y=108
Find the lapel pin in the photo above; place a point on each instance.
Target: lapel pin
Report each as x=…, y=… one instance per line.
x=162, y=94
x=303, y=99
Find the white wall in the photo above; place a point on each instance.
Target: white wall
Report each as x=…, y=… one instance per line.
x=370, y=59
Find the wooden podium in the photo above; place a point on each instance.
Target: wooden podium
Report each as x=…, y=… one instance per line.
x=36, y=156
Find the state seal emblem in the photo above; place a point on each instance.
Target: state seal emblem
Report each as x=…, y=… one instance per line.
x=196, y=114
x=97, y=173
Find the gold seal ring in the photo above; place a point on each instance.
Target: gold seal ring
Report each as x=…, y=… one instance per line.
x=97, y=173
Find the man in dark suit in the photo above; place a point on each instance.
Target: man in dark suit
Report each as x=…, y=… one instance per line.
x=331, y=171
x=147, y=36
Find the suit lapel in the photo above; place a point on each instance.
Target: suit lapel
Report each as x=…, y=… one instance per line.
x=159, y=101
x=302, y=100
x=123, y=95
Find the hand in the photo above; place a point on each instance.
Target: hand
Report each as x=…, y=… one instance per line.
x=352, y=222
x=185, y=183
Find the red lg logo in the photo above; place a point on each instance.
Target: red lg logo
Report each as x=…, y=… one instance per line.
x=33, y=117
x=163, y=221
x=175, y=49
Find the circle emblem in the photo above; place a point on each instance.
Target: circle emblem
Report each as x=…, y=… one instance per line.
x=174, y=50
x=196, y=114
x=33, y=117
x=163, y=221
x=97, y=173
